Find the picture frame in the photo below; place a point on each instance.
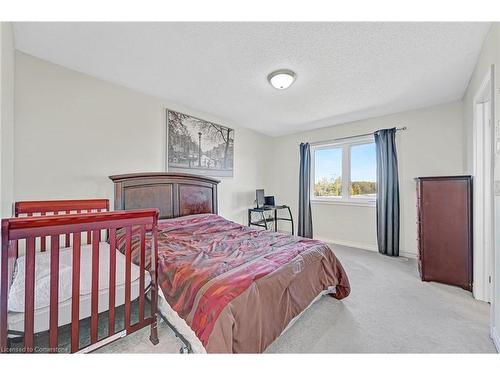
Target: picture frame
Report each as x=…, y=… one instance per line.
x=198, y=146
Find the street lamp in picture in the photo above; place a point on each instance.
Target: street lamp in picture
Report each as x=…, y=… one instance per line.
x=199, y=149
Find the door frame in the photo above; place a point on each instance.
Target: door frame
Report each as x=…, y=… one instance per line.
x=483, y=168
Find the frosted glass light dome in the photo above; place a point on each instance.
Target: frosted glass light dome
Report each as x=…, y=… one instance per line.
x=281, y=79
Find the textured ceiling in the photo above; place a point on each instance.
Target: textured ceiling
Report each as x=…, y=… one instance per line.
x=345, y=71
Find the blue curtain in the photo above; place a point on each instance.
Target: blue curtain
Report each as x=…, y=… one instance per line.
x=305, y=228
x=387, y=192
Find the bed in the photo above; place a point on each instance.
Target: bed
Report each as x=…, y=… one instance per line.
x=225, y=287
x=61, y=272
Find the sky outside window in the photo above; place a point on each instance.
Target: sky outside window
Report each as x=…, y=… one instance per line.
x=363, y=171
x=328, y=164
x=328, y=172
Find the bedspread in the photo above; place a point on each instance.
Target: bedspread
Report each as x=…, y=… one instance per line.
x=238, y=287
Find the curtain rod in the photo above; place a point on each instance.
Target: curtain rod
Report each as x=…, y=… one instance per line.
x=352, y=136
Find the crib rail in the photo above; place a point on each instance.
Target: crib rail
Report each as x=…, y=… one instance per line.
x=58, y=207
x=30, y=208
x=28, y=229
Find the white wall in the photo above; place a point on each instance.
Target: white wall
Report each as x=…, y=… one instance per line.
x=73, y=131
x=6, y=118
x=490, y=55
x=432, y=145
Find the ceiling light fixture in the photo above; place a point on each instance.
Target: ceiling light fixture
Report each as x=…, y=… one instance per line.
x=281, y=79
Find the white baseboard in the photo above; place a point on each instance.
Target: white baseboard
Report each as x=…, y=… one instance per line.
x=495, y=336
x=358, y=245
x=361, y=245
x=408, y=255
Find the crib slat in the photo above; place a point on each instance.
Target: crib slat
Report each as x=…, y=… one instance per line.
x=75, y=295
x=67, y=236
x=89, y=233
x=112, y=280
x=54, y=292
x=128, y=264
x=94, y=308
x=89, y=237
x=29, y=296
x=106, y=232
x=43, y=238
x=142, y=266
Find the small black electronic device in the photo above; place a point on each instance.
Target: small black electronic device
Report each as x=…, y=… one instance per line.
x=269, y=200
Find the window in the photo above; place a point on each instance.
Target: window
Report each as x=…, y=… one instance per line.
x=345, y=172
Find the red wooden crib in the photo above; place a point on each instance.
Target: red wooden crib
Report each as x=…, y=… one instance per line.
x=59, y=243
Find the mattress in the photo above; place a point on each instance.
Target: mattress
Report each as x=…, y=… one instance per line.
x=16, y=319
x=42, y=286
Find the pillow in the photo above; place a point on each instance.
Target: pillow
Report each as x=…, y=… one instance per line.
x=42, y=275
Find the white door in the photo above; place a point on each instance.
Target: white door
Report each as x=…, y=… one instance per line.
x=483, y=194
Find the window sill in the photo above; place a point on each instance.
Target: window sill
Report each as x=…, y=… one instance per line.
x=345, y=202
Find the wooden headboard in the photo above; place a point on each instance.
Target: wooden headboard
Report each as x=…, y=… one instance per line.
x=174, y=194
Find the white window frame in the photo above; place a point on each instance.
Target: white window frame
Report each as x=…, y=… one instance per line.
x=345, y=145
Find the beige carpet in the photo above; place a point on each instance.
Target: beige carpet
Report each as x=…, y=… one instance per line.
x=389, y=311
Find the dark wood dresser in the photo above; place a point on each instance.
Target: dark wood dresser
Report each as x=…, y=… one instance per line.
x=444, y=224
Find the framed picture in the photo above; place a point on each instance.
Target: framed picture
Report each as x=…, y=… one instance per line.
x=198, y=146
